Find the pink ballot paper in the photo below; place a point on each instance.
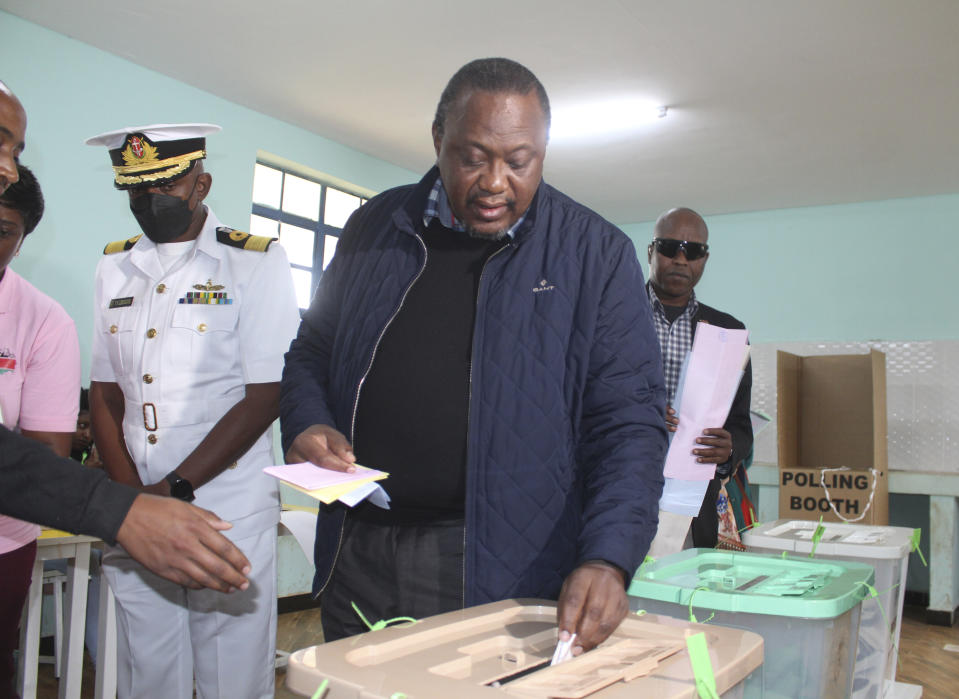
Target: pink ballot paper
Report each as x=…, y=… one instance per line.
x=310, y=477
x=712, y=374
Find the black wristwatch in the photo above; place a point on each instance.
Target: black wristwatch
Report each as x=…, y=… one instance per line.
x=180, y=488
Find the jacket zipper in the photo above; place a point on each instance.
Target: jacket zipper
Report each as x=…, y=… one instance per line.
x=359, y=387
x=469, y=410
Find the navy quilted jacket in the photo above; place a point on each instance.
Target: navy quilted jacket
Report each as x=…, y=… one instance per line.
x=567, y=434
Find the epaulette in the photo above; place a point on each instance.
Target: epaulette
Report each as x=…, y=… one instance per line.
x=245, y=241
x=121, y=245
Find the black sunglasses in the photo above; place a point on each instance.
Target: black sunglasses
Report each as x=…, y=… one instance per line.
x=670, y=248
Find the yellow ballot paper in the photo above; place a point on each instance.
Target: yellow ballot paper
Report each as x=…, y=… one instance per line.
x=48, y=533
x=323, y=484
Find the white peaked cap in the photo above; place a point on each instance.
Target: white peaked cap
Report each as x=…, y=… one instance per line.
x=157, y=133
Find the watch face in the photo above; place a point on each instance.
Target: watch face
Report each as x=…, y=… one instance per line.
x=181, y=488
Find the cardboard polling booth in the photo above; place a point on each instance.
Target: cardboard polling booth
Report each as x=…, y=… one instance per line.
x=832, y=438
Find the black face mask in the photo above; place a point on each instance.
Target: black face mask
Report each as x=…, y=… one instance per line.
x=162, y=217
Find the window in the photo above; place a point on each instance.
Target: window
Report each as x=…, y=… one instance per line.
x=307, y=215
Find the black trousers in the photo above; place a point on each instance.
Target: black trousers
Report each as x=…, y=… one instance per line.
x=705, y=526
x=16, y=571
x=390, y=571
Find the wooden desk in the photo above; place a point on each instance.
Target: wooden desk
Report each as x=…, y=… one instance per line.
x=53, y=545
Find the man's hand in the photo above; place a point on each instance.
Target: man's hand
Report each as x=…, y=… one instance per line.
x=718, y=446
x=323, y=446
x=592, y=604
x=672, y=419
x=183, y=543
x=717, y=442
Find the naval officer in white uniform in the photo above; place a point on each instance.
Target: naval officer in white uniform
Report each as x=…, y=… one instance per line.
x=191, y=323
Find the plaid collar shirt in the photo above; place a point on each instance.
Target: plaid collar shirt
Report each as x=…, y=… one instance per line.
x=438, y=206
x=675, y=339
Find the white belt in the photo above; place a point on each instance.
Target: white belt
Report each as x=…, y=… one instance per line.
x=173, y=413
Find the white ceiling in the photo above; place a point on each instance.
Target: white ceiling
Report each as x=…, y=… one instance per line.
x=772, y=103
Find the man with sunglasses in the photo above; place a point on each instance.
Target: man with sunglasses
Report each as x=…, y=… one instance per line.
x=677, y=259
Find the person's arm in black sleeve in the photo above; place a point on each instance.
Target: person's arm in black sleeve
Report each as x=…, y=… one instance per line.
x=40, y=487
x=172, y=538
x=739, y=424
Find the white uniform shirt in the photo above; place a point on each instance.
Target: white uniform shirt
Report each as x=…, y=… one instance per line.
x=182, y=365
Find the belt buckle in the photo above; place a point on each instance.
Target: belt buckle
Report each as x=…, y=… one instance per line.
x=150, y=417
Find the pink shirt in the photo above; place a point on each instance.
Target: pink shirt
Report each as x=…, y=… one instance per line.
x=39, y=374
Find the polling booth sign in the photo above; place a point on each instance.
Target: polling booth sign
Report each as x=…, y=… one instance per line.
x=838, y=494
x=832, y=437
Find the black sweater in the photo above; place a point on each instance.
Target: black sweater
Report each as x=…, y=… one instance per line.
x=413, y=407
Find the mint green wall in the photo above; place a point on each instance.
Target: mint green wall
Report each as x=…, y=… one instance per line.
x=872, y=271
x=72, y=91
x=826, y=273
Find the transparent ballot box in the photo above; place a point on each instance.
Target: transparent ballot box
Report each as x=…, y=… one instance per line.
x=887, y=550
x=807, y=611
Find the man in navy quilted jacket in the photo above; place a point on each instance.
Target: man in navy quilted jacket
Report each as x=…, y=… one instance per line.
x=488, y=342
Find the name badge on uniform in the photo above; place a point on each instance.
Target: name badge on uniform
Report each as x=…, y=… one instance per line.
x=121, y=302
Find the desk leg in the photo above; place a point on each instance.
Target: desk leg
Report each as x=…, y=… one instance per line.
x=106, y=681
x=943, y=518
x=30, y=634
x=78, y=573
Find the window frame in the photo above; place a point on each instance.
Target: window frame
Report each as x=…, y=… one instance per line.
x=320, y=229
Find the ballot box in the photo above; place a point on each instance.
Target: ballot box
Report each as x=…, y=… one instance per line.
x=807, y=611
x=504, y=650
x=886, y=549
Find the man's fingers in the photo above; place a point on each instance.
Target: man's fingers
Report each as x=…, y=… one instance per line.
x=182, y=543
x=595, y=596
x=339, y=446
x=717, y=432
x=213, y=573
x=213, y=520
x=213, y=561
x=717, y=446
x=226, y=560
x=672, y=419
x=323, y=446
x=590, y=622
x=197, y=576
x=572, y=596
x=333, y=462
x=568, y=611
x=592, y=604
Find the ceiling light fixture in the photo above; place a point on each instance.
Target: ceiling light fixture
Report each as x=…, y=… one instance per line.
x=603, y=118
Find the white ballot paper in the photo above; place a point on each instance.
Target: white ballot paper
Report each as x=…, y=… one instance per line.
x=708, y=384
x=712, y=375
x=671, y=533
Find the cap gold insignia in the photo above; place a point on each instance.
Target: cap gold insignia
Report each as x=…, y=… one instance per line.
x=138, y=152
x=209, y=286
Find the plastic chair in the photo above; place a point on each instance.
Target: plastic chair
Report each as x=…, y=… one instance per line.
x=57, y=579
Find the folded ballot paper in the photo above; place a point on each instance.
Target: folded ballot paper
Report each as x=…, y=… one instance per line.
x=707, y=386
x=328, y=486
